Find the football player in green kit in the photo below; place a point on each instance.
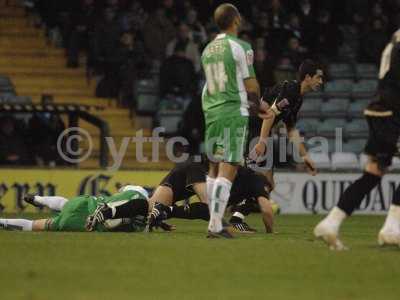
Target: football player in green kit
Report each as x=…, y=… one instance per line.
x=73, y=214
x=231, y=90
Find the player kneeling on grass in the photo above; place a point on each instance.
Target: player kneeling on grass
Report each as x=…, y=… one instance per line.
x=189, y=179
x=72, y=214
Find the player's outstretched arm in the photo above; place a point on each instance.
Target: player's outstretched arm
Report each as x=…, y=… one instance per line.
x=267, y=214
x=266, y=127
x=297, y=140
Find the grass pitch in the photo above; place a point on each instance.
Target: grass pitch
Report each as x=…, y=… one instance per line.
x=185, y=265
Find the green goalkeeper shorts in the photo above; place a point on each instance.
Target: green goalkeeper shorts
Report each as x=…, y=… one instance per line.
x=74, y=214
x=226, y=139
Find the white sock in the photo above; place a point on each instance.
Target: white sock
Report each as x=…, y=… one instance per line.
x=392, y=222
x=220, y=197
x=239, y=215
x=52, y=202
x=209, y=189
x=335, y=217
x=16, y=224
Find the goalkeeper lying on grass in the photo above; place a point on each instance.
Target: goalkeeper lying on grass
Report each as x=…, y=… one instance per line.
x=72, y=214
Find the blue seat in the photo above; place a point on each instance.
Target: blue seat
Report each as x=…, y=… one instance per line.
x=341, y=71
x=366, y=71
x=147, y=86
x=354, y=145
x=357, y=129
x=335, y=107
x=170, y=122
x=365, y=88
x=356, y=109
x=338, y=88
x=308, y=126
x=147, y=103
x=12, y=99
x=311, y=107
x=329, y=126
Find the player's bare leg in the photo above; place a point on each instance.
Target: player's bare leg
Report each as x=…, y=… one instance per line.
x=25, y=225
x=201, y=191
x=267, y=213
x=162, y=194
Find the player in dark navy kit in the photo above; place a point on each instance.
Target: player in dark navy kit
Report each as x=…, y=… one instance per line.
x=189, y=179
x=284, y=101
x=383, y=118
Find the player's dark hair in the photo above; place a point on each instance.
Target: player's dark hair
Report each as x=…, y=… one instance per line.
x=307, y=67
x=224, y=15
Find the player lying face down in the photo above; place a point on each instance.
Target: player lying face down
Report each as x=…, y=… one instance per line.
x=189, y=179
x=72, y=214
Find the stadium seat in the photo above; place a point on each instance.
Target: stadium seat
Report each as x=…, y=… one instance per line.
x=366, y=71
x=348, y=51
x=318, y=144
x=321, y=159
x=148, y=86
x=395, y=163
x=7, y=89
x=4, y=80
x=341, y=71
x=354, y=145
x=344, y=160
x=12, y=99
x=365, y=88
x=311, y=107
x=357, y=129
x=147, y=103
x=6, y=85
x=363, y=158
x=317, y=94
x=338, y=88
x=6, y=95
x=308, y=127
x=335, y=107
x=356, y=109
x=328, y=127
x=170, y=122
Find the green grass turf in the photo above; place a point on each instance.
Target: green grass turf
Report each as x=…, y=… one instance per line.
x=185, y=265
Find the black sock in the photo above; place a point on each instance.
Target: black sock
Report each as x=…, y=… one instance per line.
x=129, y=209
x=197, y=210
x=235, y=220
x=396, y=197
x=355, y=193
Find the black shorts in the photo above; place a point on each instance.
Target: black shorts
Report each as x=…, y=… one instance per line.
x=384, y=132
x=182, y=178
x=248, y=185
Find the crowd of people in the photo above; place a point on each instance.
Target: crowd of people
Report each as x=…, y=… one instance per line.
x=126, y=40
x=30, y=139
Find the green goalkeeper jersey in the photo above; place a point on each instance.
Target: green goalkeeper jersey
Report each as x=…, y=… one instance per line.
x=227, y=61
x=75, y=212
